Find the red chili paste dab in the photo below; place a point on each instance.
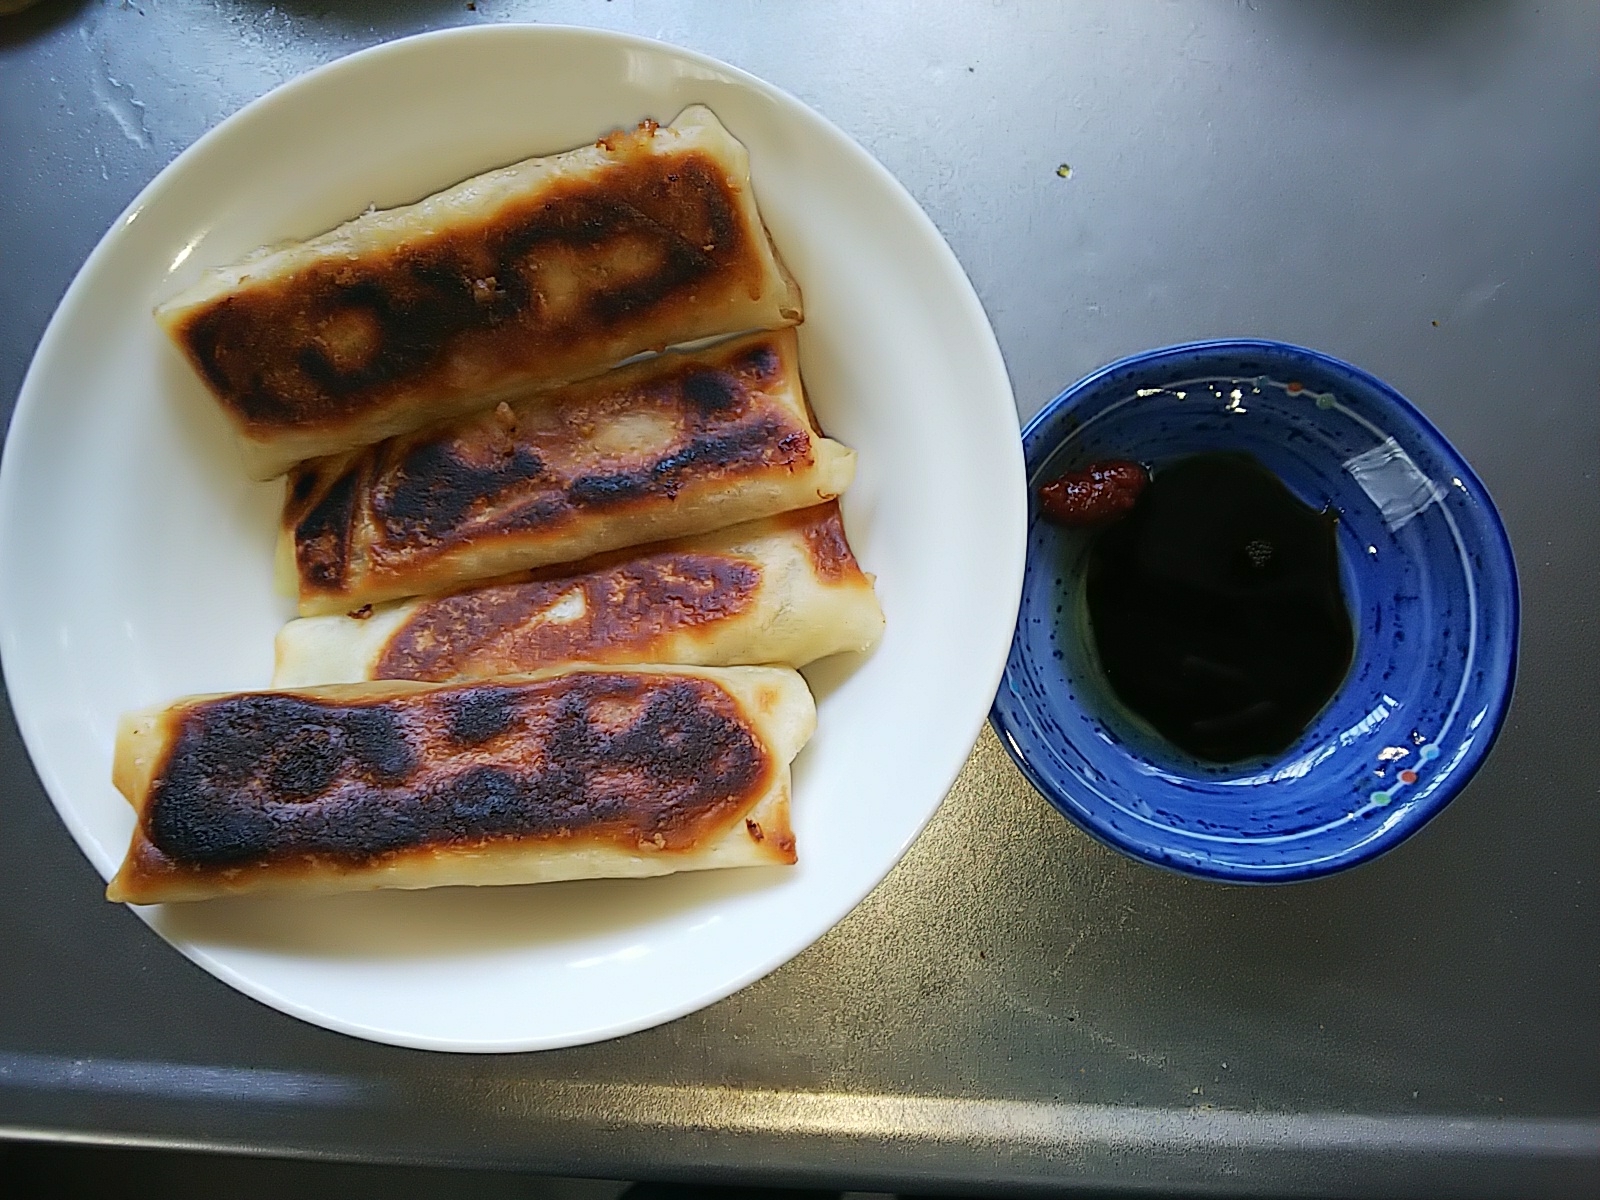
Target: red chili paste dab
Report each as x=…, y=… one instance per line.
x=1095, y=495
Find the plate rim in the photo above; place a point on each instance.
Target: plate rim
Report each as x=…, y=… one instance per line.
x=27, y=403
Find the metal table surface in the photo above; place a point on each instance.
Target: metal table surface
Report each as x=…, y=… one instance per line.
x=1411, y=187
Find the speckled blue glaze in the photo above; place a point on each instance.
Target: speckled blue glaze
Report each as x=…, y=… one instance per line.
x=1427, y=574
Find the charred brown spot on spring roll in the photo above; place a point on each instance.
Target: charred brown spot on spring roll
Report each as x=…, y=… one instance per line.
x=682, y=443
x=323, y=531
x=433, y=496
x=624, y=759
x=644, y=236
x=425, y=489
x=633, y=605
x=702, y=422
x=826, y=544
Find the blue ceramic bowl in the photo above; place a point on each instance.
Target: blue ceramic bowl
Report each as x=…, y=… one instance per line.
x=1427, y=575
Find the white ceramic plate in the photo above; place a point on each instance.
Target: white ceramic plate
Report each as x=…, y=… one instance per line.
x=136, y=560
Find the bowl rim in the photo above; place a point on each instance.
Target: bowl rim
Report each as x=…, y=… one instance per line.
x=1147, y=850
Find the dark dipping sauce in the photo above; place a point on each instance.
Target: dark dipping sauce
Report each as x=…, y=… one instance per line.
x=1216, y=610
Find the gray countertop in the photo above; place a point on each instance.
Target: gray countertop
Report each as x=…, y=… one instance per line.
x=1411, y=187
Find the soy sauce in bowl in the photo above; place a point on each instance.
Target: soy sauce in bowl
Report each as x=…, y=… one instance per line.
x=1215, y=608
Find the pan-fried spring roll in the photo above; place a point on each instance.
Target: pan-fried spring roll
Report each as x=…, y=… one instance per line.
x=673, y=446
x=613, y=772
x=785, y=590
x=530, y=276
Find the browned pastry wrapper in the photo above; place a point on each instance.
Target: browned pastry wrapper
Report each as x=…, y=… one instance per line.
x=785, y=590
x=673, y=446
x=530, y=276
x=605, y=772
